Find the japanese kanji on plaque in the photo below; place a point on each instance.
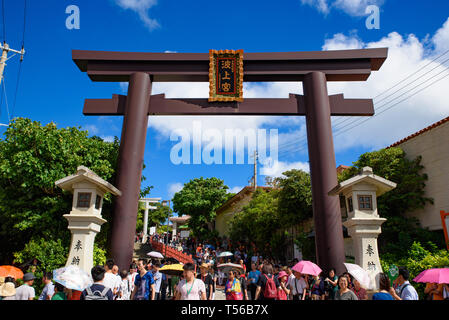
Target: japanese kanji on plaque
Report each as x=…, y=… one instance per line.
x=226, y=75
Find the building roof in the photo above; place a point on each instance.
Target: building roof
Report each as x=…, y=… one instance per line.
x=238, y=196
x=432, y=126
x=342, y=168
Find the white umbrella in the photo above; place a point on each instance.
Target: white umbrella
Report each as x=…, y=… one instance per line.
x=72, y=277
x=359, y=274
x=225, y=254
x=226, y=267
x=155, y=254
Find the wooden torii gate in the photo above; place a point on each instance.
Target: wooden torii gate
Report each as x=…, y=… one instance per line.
x=313, y=69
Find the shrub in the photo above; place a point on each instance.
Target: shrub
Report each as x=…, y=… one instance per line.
x=418, y=259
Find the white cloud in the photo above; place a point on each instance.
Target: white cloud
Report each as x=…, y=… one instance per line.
x=124, y=87
x=341, y=42
x=92, y=129
x=350, y=7
x=320, y=5
x=405, y=56
x=141, y=7
x=173, y=188
x=108, y=138
x=236, y=189
x=441, y=38
x=165, y=125
x=278, y=167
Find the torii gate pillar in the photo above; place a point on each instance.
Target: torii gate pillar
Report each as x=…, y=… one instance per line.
x=129, y=169
x=326, y=209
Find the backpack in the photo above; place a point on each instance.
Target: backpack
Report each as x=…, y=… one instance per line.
x=92, y=296
x=270, y=290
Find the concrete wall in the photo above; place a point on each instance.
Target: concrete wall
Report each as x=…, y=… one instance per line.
x=433, y=146
x=222, y=219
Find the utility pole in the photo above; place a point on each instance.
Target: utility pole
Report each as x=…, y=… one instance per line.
x=255, y=171
x=5, y=49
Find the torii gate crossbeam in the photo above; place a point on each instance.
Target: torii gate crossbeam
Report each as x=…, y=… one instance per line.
x=314, y=69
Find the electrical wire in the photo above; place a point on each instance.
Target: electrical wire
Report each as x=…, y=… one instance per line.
x=4, y=24
x=344, y=119
x=21, y=59
x=6, y=99
x=390, y=107
x=387, y=103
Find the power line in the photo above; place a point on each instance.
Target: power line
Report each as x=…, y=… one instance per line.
x=408, y=91
x=6, y=100
x=336, y=126
x=24, y=21
x=401, y=81
x=4, y=24
x=390, y=107
x=443, y=54
x=387, y=106
x=17, y=89
x=21, y=59
x=406, y=98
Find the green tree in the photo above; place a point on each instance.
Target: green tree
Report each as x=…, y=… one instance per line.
x=258, y=221
x=398, y=232
x=199, y=198
x=295, y=196
x=32, y=158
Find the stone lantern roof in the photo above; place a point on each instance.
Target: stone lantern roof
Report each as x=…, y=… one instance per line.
x=366, y=176
x=84, y=174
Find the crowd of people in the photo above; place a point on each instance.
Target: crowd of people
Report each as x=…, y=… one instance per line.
x=252, y=277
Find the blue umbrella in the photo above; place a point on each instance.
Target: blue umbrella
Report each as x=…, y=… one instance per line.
x=210, y=246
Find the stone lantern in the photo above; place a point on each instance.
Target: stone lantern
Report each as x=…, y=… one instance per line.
x=85, y=217
x=363, y=223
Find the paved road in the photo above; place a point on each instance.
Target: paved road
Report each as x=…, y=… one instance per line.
x=219, y=294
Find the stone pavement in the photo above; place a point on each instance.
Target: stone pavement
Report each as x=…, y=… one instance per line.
x=219, y=294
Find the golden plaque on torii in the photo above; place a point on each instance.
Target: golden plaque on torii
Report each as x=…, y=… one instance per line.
x=226, y=75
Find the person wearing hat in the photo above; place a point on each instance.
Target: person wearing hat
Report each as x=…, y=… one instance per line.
x=207, y=279
x=8, y=291
x=283, y=291
x=26, y=291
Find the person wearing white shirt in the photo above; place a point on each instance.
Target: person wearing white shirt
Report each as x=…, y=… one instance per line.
x=132, y=276
x=110, y=279
x=290, y=279
x=298, y=286
x=124, y=291
x=405, y=290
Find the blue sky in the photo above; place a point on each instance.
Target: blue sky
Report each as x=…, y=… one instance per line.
x=53, y=89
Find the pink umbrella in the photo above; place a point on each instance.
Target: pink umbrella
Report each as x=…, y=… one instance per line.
x=307, y=267
x=440, y=275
